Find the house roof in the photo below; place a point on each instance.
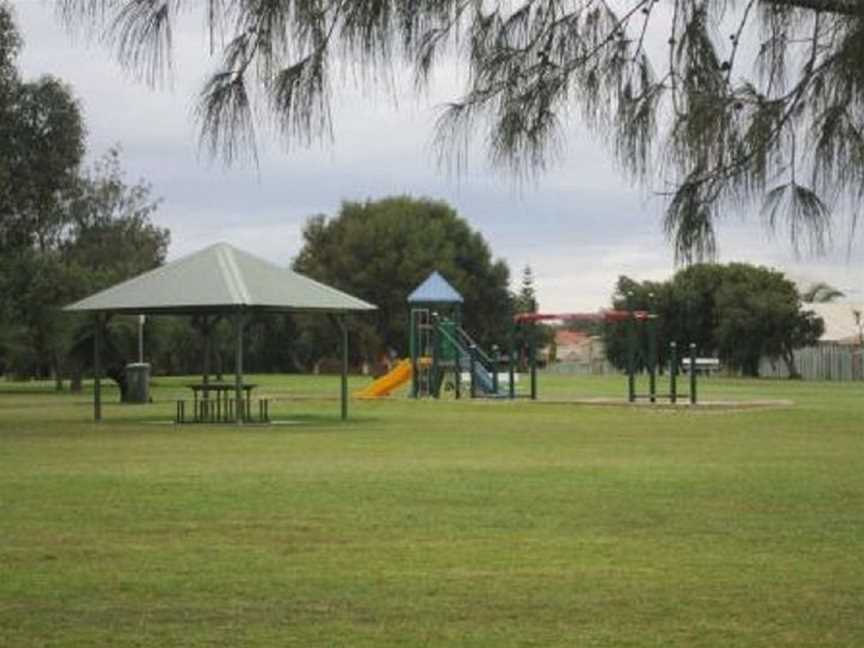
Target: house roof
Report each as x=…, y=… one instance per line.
x=220, y=278
x=435, y=290
x=570, y=338
x=840, y=321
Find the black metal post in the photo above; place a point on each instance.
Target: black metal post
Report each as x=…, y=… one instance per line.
x=414, y=342
x=471, y=368
x=673, y=372
x=533, y=351
x=692, y=373
x=238, y=368
x=631, y=359
x=652, y=358
x=434, y=386
x=495, y=368
x=511, y=369
x=344, y=384
x=97, y=369
x=511, y=374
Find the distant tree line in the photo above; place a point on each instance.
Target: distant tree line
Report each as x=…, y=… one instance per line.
x=737, y=312
x=67, y=230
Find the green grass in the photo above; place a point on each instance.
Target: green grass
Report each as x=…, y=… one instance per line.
x=435, y=523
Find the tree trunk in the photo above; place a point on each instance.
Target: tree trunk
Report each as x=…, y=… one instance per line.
x=117, y=373
x=56, y=369
x=76, y=378
x=789, y=359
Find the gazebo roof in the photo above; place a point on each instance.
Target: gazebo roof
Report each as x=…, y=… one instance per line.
x=220, y=278
x=435, y=290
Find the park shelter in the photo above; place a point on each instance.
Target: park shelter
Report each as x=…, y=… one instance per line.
x=221, y=280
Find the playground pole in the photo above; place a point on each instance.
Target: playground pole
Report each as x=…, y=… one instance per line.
x=471, y=366
x=673, y=372
x=510, y=364
x=434, y=386
x=533, y=353
x=412, y=340
x=652, y=358
x=631, y=360
x=495, y=368
x=692, y=373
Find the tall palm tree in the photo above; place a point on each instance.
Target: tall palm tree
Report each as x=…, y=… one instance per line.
x=821, y=293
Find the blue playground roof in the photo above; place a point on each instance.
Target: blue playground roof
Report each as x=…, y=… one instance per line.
x=435, y=290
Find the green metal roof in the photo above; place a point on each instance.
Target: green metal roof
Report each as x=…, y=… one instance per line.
x=220, y=278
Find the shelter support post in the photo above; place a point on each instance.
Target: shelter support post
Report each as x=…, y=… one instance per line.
x=343, y=325
x=97, y=369
x=239, y=407
x=340, y=323
x=206, y=330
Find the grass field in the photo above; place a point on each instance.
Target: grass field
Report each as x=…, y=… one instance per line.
x=435, y=523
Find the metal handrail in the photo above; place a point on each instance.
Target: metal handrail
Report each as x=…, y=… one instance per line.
x=484, y=359
x=471, y=349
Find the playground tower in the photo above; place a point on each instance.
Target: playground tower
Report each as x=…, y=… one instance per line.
x=436, y=316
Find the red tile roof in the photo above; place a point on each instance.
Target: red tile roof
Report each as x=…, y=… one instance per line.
x=570, y=338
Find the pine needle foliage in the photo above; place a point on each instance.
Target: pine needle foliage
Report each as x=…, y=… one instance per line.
x=748, y=101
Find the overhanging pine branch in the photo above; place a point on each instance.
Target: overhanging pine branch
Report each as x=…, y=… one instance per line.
x=846, y=7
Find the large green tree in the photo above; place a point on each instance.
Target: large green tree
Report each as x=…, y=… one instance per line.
x=381, y=250
x=724, y=103
x=103, y=234
x=63, y=233
x=109, y=236
x=41, y=147
x=739, y=312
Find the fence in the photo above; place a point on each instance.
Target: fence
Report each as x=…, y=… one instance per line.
x=823, y=362
x=596, y=367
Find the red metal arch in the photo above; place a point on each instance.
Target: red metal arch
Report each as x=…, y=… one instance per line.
x=600, y=316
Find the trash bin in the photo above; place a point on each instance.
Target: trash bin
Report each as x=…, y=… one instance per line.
x=138, y=382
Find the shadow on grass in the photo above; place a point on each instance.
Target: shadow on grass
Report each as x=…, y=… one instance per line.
x=282, y=422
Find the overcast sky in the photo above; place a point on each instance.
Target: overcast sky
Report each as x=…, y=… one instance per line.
x=579, y=226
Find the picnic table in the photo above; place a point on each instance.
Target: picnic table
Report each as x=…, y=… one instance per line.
x=220, y=408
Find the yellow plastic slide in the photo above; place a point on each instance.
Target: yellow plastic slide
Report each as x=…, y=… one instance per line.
x=392, y=380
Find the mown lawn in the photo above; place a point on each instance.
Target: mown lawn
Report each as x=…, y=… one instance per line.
x=435, y=523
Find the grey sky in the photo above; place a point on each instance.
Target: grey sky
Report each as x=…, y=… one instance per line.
x=579, y=226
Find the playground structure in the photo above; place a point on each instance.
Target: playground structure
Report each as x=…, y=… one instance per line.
x=642, y=325
x=440, y=347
